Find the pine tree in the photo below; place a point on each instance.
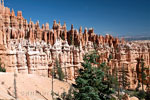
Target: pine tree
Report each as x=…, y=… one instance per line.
x=110, y=57
x=105, y=69
x=107, y=76
x=113, y=78
x=62, y=37
x=59, y=71
x=143, y=73
x=124, y=78
x=71, y=40
x=2, y=69
x=138, y=73
x=90, y=84
x=116, y=82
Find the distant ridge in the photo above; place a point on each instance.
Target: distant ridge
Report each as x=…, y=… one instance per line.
x=134, y=38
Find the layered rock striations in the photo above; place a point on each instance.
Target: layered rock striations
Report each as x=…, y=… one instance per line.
x=31, y=49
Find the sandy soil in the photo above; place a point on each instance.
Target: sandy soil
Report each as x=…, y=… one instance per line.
x=29, y=87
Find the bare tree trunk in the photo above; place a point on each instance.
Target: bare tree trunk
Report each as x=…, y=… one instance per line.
x=119, y=91
x=53, y=83
x=15, y=86
x=66, y=73
x=118, y=85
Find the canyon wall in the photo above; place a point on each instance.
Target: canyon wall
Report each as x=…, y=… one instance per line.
x=29, y=49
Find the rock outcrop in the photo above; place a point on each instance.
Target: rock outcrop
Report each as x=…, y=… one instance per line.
x=27, y=48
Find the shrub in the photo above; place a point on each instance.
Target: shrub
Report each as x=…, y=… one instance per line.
x=62, y=37
x=2, y=69
x=147, y=97
x=66, y=95
x=141, y=94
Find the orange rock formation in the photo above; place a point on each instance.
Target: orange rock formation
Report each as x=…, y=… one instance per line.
x=27, y=48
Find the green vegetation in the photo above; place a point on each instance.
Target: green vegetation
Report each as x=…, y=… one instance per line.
x=62, y=37
x=143, y=73
x=71, y=40
x=95, y=45
x=114, y=78
x=138, y=73
x=141, y=94
x=147, y=97
x=66, y=95
x=59, y=71
x=124, y=79
x=110, y=57
x=142, y=77
x=2, y=69
x=96, y=82
x=90, y=84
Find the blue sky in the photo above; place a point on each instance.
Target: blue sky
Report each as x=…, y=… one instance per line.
x=116, y=17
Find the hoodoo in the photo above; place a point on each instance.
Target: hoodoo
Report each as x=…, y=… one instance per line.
x=27, y=48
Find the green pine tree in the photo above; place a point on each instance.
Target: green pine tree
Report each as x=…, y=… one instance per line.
x=62, y=37
x=107, y=76
x=138, y=73
x=115, y=81
x=2, y=69
x=113, y=78
x=71, y=40
x=59, y=71
x=143, y=73
x=124, y=78
x=90, y=84
x=110, y=57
